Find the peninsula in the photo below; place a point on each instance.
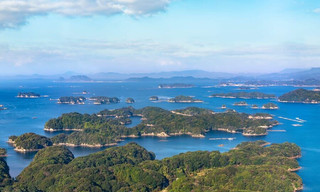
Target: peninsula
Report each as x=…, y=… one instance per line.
x=244, y=95
x=301, y=96
x=133, y=168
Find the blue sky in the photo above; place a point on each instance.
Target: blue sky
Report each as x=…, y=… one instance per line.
x=89, y=36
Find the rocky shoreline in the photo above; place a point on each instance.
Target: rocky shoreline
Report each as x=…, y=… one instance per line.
x=56, y=130
x=303, y=102
x=254, y=134
x=85, y=145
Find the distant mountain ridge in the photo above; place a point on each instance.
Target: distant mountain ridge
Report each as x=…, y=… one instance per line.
x=287, y=74
x=170, y=74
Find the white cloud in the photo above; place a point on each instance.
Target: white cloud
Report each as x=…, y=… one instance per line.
x=317, y=10
x=17, y=12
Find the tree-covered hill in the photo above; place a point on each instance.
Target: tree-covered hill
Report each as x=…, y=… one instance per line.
x=249, y=167
x=301, y=96
x=107, y=127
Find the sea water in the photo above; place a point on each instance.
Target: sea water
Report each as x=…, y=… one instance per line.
x=30, y=115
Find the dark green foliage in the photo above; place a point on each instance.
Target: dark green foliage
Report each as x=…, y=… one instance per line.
x=5, y=178
x=31, y=141
x=301, y=96
x=184, y=99
x=194, y=111
x=251, y=167
x=270, y=106
x=114, y=169
x=105, y=100
x=76, y=121
x=104, y=135
x=12, y=138
x=251, y=143
x=3, y=152
x=103, y=130
x=39, y=174
x=286, y=149
x=154, y=98
x=122, y=112
x=245, y=95
x=243, y=178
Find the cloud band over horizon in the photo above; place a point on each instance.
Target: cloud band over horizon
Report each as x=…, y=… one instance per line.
x=17, y=12
x=50, y=36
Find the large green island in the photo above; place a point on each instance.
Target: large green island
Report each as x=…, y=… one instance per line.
x=301, y=96
x=107, y=127
x=249, y=167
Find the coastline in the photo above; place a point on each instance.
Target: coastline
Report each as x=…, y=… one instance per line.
x=22, y=150
x=254, y=134
x=302, y=102
x=295, y=169
x=85, y=145
x=152, y=134
x=57, y=130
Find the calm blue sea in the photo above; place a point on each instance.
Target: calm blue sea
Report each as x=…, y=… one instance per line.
x=30, y=115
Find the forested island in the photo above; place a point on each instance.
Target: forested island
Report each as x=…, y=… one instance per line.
x=254, y=106
x=175, y=85
x=184, y=99
x=29, y=142
x=240, y=103
x=107, y=128
x=248, y=167
x=71, y=100
x=154, y=98
x=28, y=95
x=301, y=96
x=130, y=100
x=270, y=106
x=104, y=100
x=244, y=95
